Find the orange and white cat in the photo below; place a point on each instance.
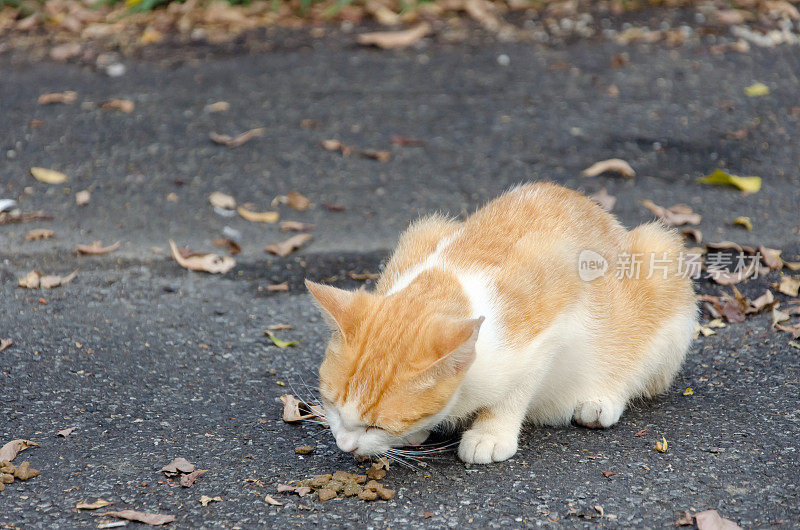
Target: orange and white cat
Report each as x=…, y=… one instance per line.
x=498, y=319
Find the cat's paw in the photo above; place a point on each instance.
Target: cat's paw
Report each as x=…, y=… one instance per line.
x=597, y=413
x=480, y=447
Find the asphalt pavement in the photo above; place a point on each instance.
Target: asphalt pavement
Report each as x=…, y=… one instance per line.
x=150, y=362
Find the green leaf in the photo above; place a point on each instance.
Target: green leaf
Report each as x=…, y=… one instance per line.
x=721, y=178
x=278, y=342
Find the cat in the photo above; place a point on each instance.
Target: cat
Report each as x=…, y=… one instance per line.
x=497, y=320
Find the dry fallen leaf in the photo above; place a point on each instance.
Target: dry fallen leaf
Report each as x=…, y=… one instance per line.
x=297, y=201
x=794, y=329
x=771, y=257
x=296, y=226
x=10, y=450
x=154, y=519
x=213, y=263
x=605, y=200
x=661, y=445
x=39, y=233
x=58, y=97
x=278, y=342
x=35, y=280
x=122, y=105
x=48, y=176
x=258, y=217
x=269, y=500
x=241, y=139
x=282, y=287
x=302, y=491
x=684, y=519
x=205, y=500
x=789, y=286
x=177, y=466
x=99, y=503
x=218, y=106
x=65, y=432
x=233, y=247
x=694, y=233
x=188, y=480
x=405, y=141
x=745, y=222
x=336, y=145
x=295, y=410
x=711, y=520
x=284, y=248
x=615, y=165
x=395, y=39
x=5, y=344
x=275, y=327
x=778, y=317
x=96, y=248
x=756, y=89
x=679, y=214
x=721, y=178
x=83, y=197
x=222, y=200
x=380, y=156
x=764, y=301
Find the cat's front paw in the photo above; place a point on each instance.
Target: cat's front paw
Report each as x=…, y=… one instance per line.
x=480, y=447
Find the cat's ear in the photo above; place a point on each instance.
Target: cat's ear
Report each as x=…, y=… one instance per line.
x=336, y=305
x=456, y=342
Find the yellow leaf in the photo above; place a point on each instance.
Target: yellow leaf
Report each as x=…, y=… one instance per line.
x=756, y=90
x=688, y=392
x=48, y=176
x=745, y=222
x=661, y=445
x=258, y=217
x=721, y=178
x=278, y=342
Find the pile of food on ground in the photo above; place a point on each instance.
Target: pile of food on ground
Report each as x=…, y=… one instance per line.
x=366, y=487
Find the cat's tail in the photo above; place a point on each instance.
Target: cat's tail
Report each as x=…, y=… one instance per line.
x=661, y=258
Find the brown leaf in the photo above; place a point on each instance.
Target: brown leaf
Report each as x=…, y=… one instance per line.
x=380, y=156
x=335, y=207
x=395, y=39
x=679, y=214
x=222, y=200
x=297, y=201
x=608, y=474
x=732, y=312
x=684, y=519
x=711, y=520
x=177, y=466
x=779, y=317
x=39, y=233
x=296, y=226
x=269, y=500
x=789, y=286
x=282, y=287
x=771, y=257
x=205, y=500
x=58, y=97
x=336, y=145
x=99, y=503
x=122, y=105
x=605, y=200
x=284, y=248
x=154, y=519
x=5, y=343
x=404, y=141
x=30, y=280
x=302, y=491
x=213, y=263
x=96, y=248
x=35, y=280
x=794, y=330
x=64, y=52
x=10, y=450
x=188, y=480
x=232, y=246
x=694, y=233
x=65, y=432
x=295, y=410
x=278, y=327
x=83, y=197
x=765, y=301
x=241, y=139
x=218, y=106
x=615, y=165
x=258, y=217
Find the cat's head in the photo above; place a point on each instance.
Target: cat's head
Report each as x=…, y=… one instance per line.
x=392, y=367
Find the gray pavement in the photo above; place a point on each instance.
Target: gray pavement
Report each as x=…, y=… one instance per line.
x=150, y=361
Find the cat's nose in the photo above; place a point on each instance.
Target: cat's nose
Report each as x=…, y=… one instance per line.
x=347, y=442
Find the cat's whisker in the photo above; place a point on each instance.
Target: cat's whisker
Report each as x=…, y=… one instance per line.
x=395, y=458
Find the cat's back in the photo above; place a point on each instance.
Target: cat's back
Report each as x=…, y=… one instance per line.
x=538, y=219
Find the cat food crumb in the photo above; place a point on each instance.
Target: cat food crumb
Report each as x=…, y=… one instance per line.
x=7, y=467
x=25, y=471
x=350, y=489
x=303, y=449
x=385, y=494
x=6, y=478
x=377, y=471
x=344, y=476
x=319, y=481
x=335, y=485
x=368, y=495
x=372, y=485
x=326, y=494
